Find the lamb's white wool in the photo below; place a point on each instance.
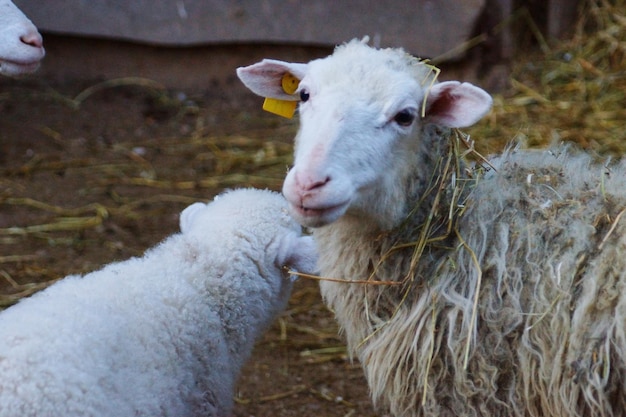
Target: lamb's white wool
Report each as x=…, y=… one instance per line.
x=21, y=46
x=532, y=269
x=161, y=335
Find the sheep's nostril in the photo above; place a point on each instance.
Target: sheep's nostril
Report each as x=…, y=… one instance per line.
x=318, y=184
x=33, y=39
x=313, y=185
x=306, y=183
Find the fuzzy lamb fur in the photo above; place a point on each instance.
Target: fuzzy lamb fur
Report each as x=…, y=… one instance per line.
x=533, y=271
x=161, y=335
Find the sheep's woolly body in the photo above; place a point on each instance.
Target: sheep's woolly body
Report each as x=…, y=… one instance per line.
x=549, y=338
x=516, y=305
x=160, y=335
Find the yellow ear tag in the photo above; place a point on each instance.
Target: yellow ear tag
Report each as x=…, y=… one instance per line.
x=284, y=108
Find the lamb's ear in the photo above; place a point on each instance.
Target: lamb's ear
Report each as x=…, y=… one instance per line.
x=265, y=78
x=298, y=253
x=453, y=104
x=188, y=216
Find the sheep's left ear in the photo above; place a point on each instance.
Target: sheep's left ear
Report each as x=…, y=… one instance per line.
x=188, y=216
x=265, y=78
x=455, y=104
x=298, y=253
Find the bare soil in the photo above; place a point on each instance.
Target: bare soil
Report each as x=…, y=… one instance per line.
x=95, y=173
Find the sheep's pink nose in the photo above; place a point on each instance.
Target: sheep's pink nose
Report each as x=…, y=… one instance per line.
x=32, y=38
x=306, y=183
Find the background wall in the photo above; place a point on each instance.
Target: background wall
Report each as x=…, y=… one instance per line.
x=112, y=38
x=430, y=27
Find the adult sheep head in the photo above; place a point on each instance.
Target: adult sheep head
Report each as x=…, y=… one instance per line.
x=21, y=46
x=362, y=114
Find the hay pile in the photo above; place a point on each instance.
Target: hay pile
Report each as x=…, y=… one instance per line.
x=573, y=91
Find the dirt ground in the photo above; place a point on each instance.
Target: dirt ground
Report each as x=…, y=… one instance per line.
x=99, y=177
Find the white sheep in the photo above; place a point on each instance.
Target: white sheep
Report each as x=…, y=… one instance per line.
x=161, y=335
x=21, y=46
x=512, y=295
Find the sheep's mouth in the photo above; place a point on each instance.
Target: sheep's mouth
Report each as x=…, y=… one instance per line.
x=318, y=216
x=17, y=68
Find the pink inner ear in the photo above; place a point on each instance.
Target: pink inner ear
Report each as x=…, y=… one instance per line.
x=441, y=111
x=453, y=104
x=265, y=78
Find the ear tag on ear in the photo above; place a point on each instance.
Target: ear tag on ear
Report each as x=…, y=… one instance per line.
x=284, y=108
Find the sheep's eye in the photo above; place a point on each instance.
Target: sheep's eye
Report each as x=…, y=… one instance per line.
x=304, y=96
x=404, y=117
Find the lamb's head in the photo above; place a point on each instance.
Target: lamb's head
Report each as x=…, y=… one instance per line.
x=362, y=111
x=258, y=220
x=21, y=46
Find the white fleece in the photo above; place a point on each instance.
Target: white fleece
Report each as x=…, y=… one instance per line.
x=160, y=335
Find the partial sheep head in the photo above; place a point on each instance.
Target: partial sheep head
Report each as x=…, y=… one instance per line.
x=21, y=45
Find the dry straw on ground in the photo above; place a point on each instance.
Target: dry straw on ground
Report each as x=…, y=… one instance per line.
x=28, y=222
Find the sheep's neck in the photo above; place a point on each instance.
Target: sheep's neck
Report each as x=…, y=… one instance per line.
x=352, y=249
x=432, y=193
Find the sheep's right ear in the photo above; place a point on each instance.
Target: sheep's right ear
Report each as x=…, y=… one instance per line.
x=265, y=78
x=298, y=253
x=188, y=216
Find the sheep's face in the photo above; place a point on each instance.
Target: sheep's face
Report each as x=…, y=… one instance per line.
x=21, y=46
x=360, y=120
x=350, y=140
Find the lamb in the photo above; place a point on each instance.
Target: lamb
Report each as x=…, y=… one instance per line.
x=21, y=45
x=161, y=335
x=501, y=286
